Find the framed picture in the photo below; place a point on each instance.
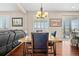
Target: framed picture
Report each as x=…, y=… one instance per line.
x=55, y=22
x=17, y=22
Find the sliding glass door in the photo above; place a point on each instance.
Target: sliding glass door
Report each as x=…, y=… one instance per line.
x=66, y=27
x=70, y=24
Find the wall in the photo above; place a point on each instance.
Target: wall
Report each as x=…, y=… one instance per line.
x=12, y=14
x=31, y=17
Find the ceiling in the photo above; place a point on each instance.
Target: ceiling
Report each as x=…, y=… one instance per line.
x=8, y=7
x=36, y=6
x=52, y=6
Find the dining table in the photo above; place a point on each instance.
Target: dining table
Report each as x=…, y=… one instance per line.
x=28, y=39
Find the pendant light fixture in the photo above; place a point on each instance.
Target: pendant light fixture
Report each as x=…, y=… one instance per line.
x=41, y=13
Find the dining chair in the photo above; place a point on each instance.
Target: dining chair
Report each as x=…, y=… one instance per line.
x=52, y=45
x=54, y=33
x=40, y=43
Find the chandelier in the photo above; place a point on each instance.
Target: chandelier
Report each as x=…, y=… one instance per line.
x=41, y=13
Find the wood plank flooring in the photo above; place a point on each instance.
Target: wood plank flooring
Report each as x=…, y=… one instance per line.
x=62, y=49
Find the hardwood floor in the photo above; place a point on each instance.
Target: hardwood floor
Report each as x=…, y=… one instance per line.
x=62, y=49
x=18, y=51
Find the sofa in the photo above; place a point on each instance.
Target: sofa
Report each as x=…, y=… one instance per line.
x=9, y=40
x=3, y=42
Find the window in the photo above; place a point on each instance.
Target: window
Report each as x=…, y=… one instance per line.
x=40, y=25
x=4, y=22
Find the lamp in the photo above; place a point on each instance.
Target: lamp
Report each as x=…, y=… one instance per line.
x=41, y=13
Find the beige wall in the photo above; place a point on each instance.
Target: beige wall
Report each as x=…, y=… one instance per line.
x=31, y=17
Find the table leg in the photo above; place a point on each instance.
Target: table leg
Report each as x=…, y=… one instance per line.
x=54, y=48
x=24, y=49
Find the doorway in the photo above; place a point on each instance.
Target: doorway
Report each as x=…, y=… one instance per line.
x=70, y=24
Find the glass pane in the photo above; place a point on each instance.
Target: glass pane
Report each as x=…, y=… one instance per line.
x=4, y=22
x=38, y=24
x=41, y=25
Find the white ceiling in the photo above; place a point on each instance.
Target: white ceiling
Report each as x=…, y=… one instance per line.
x=52, y=6
x=8, y=7
x=36, y=6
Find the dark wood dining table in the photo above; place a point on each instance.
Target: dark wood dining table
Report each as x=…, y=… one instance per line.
x=27, y=40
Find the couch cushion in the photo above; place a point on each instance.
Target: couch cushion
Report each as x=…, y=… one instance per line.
x=3, y=50
x=3, y=42
x=3, y=39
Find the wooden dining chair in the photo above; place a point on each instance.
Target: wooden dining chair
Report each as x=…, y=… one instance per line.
x=52, y=45
x=40, y=43
x=54, y=33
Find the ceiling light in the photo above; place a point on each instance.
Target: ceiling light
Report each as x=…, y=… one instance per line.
x=41, y=13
